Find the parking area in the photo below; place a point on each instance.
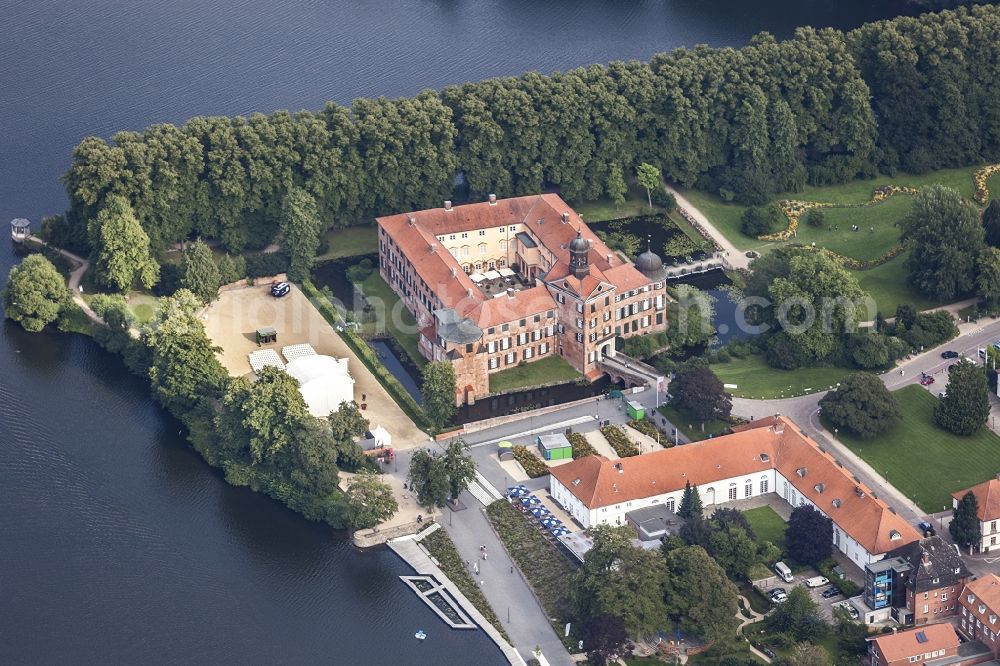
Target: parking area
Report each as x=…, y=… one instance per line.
x=823, y=593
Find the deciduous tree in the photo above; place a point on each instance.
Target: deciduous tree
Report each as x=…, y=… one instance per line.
x=699, y=597
x=798, y=617
x=946, y=237
x=370, y=499
x=301, y=228
x=428, y=477
x=121, y=247
x=199, y=273
x=809, y=536
x=616, y=186
x=863, y=405
x=604, y=639
x=460, y=466
x=988, y=277
x=807, y=654
x=701, y=394
x=649, y=177
x=991, y=223
x=438, y=390
x=34, y=293
x=689, y=317
x=966, y=406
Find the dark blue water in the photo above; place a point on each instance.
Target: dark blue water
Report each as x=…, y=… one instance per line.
x=406, y=373
x=726, y=321
x=117, y=543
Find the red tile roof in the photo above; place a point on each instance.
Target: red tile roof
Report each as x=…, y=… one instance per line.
x=906, y=644
x=597, y=481
x=987, y=495
x=985, y=590
x=496, y=311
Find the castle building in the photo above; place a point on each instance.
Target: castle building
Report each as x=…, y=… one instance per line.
x=503, y=282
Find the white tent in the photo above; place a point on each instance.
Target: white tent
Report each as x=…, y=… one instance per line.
x=323, y=381
x=265, y=358
x=381, y=436
x=506, y=272
x=492, y=275
x=292, y=352
x=477, y=277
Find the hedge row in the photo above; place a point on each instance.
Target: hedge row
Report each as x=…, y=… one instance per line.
x=622, y=445
x=531, y=463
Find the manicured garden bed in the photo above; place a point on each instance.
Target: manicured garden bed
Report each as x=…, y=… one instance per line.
x=546, y=569
x=581, y=447
x=923, y=461
x=622, y=445
x=532, y=464
x=549, y=370
x=439, y=544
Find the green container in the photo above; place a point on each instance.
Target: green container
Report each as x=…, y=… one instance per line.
x=635, y=411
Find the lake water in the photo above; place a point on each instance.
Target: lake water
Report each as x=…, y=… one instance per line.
x=119, y=544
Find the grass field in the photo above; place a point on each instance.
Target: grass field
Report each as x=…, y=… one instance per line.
x=143, y=306
x=864, y=244
x=398, y=321
x=726, y=216
x=684, y=423
x=887, y=285
x=767, y=525
x=754, y=378
x=923, y=461
x=349, y=242
x=605, y=209
x=547, y=371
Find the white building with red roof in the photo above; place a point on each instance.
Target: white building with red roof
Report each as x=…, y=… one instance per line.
x=502, y=282
x=988, y=497
x=770, y=456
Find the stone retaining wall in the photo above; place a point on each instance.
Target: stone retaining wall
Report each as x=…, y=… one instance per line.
x=376, y=537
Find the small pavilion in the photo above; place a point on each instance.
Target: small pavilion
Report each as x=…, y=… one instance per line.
x=20, y=229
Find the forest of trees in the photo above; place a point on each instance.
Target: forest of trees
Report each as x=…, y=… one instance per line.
x=822, y=107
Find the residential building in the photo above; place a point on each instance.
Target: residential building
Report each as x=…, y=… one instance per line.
x=916, y=584
x=988, y=496
x=926, y=645
x=503, y=282
x=769, y=456
x=979, y=616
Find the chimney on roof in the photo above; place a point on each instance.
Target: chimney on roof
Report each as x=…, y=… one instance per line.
x=493, y=200
x=565, y=218
x=434, y=246
x=925, y=558
x=510, y=292
x=779, y=428
x=454, y=271
x=447, y=205
x=469, y=292
x=411, y=220
x=621, y=470
x=611, y=258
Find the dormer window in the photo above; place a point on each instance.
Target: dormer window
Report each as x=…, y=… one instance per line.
x=982, y=608
x=936, y=580
x=993, y=618
x=764, y=457
x=971, y=598
x=836, y=503
x=820, y=487
x=801, y=471
x=576, y=482
x=894, y=535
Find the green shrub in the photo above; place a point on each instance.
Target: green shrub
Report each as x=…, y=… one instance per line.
x=581, y=447
x=532, y=464
x=622, y=445
x=645, y=427
x=848, y=587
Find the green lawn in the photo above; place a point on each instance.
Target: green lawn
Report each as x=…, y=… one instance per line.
x=143, y=306
x=754, y=378
x=397, y=319
x=887, y=285
x=767, y=525
x=635, y=204
x=546, y=371
x=726, y=216
x=864, y=244
x=923, y=461
x=691, y=427
x=349, y=242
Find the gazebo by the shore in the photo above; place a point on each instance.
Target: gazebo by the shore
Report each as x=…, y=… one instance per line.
x=20, y=229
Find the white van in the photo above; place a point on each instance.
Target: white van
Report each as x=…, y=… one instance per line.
x=817, y=581
x=783, y=571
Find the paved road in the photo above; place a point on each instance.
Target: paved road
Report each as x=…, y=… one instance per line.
x=804, y=410
x=736, y=257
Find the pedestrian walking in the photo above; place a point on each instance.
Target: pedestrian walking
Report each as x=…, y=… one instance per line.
x=512, y=569
x=477, y=568
x=480, y=583
x=484, y=554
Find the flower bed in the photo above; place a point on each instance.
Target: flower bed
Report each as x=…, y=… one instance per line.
x=622, y=445
x=532, y=464
x=581, y=447
x=983, y=175
x=859, y=264
x=645, y=427
x=441, y=547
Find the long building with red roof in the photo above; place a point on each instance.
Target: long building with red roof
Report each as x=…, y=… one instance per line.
x=767, y=456
x=502, y=282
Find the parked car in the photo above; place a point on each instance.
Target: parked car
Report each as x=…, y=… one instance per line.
x=830, y=592
x=996, y=345
x=923, y=526
x=949, y=354
x=926, y=380
x=943, y=394
x=779, y=597
x=768, y=651
x=849, y=607
x=817, y=581
x=783, y=571
x=280, y=289
x=982, y=353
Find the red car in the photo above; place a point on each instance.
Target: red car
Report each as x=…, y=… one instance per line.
x=926, y=380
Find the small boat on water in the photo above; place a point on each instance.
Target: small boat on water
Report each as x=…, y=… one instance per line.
x=420, y=635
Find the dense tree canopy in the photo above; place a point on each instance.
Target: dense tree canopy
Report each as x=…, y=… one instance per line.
x=34, y=293
x=121, y=248
x=946, y=238
x=370, y=499
x=699, y=596
x=701, y=394
x=301, y=228
x=438, y=390
x=798, y=616
x=809, y=537
x=199, y=272
x=862, y=405
x=689, y=317
x=991, y=223
x=966, y=405
x=822, y=107
x=988, y=277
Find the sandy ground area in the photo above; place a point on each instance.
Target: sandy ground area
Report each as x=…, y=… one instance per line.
x=232, y=320
x=408, y=507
